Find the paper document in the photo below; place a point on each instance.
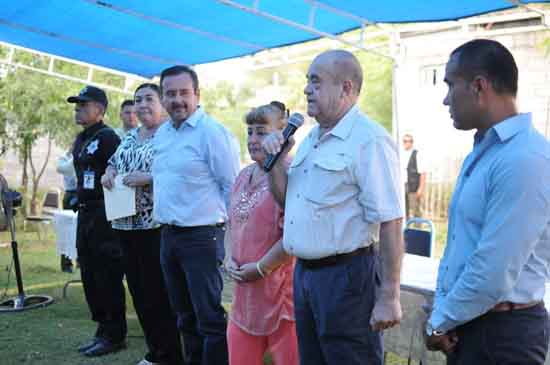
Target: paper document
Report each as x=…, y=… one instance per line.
x=120, y=201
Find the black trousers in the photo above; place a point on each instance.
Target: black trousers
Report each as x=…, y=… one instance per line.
x=101, y=269
x=518, y=337
x=67, y=197
x=191, y=261
x=141, y=255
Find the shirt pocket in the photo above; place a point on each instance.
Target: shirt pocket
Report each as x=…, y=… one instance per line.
x=296, y=162
x=327, y=185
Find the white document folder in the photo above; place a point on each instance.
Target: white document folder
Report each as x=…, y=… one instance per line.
x=120, y=201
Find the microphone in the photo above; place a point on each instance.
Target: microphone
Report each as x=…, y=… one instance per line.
x=294, y=122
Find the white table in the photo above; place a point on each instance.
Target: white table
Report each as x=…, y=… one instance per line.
x=65, y=229
x=418, y=281
x=65, y=222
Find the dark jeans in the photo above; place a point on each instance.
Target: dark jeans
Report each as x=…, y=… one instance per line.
x=333, y=307
x=191, y=260
x=141, y=256
x=102, y=272
x=518, y=337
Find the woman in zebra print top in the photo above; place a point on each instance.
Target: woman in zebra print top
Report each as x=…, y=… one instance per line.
x=140, y=235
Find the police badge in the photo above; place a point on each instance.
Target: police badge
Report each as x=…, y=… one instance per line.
x=92, y=147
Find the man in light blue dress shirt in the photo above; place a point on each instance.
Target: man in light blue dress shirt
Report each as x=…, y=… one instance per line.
x=488, y=307
x=195, y=163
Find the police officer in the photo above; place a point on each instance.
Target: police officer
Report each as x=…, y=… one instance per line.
x=99, y=252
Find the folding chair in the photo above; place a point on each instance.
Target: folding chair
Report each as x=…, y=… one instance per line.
x=51, y=202
x=419, y=241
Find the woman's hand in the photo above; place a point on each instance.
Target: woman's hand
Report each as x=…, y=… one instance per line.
x=247, y=273
x=231, y=268
x=137, y=178
x=108, y=179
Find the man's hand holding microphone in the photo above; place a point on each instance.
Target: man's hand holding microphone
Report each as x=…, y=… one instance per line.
x=277, y=145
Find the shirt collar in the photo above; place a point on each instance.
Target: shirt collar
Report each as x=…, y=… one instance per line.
x=192, y=120
x=94, y=128
x=509, y=127
x=343, y=128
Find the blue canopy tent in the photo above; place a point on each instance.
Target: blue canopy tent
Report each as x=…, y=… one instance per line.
x=143, y=37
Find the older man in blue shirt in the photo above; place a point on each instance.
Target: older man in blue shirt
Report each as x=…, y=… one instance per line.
x=196, y=161
x=488, y=307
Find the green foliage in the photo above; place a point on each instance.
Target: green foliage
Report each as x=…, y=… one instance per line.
x=106, y=78
x=4, y=51
x=31, y=59
x=226, y=103
x=70, y=69
x=376, y=94
x=34, y=106
x=546, y=46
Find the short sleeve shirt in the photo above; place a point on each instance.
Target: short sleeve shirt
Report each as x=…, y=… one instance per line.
x=91, y=151
x=341, y=186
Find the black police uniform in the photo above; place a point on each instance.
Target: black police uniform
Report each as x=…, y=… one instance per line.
x=98, y=248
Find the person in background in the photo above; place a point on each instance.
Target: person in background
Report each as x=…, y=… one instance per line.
x=98, y=247
x=195, y=164
x=140, y=234
x=281, y=107
x=128, y=118
x=488, y=306
x=262, y=315
x=66, y=168
x=414, y=172
x=342, y=195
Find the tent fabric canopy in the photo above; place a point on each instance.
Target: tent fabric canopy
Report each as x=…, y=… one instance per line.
x=144, y=37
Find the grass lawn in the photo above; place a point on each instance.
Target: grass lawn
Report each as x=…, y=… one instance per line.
x=51, y=335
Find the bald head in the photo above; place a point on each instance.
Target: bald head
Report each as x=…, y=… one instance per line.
x=343, y=66
x=334, y=81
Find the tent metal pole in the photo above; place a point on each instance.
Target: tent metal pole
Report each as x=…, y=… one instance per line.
x=545, y=15
x=65, y=77
x=178, y=26
x=300, y=26
x=13, y=47
x=363, y=21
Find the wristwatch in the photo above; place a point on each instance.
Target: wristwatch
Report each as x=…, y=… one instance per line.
x=430, y=331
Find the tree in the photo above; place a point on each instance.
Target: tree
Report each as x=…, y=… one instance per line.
x=376, y=93
x=546, y=46
x=227, y=103
x=33, y=107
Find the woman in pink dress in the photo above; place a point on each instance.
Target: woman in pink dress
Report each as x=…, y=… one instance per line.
x=262, y=316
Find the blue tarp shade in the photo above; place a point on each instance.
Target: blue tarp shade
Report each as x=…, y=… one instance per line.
x=144, y=36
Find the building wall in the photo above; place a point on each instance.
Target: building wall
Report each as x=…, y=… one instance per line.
x=420, y=92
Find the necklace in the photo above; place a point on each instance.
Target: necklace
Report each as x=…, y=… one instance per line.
x=255, y=176
x=147, y=133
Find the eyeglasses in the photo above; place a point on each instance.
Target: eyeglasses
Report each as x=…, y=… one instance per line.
x=407, y=141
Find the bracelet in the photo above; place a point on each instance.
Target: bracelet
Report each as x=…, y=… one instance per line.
x=259, y=269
